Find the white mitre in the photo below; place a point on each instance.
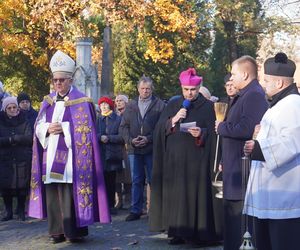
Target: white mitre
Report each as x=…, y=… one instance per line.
x=61, y=62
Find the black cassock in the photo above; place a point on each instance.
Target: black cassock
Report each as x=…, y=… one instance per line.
x=181, y=189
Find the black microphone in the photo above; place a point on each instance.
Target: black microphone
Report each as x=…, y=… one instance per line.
x=186, y=104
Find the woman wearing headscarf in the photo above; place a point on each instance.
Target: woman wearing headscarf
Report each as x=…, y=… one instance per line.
x=111, y=146
x=15, y=157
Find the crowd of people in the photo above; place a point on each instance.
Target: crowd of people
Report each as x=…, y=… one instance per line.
x=76, y=166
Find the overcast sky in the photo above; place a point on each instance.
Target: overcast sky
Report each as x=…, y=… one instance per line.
x=289, y=9
x=285, y=8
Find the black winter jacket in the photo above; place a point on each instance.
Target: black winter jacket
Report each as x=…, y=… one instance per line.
x=15, y=152
x=112, y=151
x=31, y=116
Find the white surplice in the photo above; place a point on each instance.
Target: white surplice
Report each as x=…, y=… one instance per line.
x=273, y=190
x=50, y=142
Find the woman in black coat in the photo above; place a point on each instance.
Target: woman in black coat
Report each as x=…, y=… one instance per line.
x=15, y=157
x=111, y=146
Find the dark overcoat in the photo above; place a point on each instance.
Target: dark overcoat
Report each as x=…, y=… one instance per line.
x=112, y=151
x=133, y=124
x=15, y=152
x=246, y=111
x=31, y=116
x=181, y=190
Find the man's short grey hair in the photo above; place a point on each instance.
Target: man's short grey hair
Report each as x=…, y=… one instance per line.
x=145, y=79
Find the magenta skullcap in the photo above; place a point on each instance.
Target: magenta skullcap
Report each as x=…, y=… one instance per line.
x=189, y=78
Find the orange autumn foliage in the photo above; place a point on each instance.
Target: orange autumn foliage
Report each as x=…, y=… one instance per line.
x=39, y=27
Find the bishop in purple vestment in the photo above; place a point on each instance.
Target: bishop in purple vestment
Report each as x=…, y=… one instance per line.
x=67, y=184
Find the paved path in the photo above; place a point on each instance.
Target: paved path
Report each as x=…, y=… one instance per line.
x=32, y=234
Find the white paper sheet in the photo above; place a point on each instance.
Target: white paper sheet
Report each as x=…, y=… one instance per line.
x=185, y=126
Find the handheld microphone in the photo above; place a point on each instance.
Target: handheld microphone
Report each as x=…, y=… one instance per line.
x=186, y=105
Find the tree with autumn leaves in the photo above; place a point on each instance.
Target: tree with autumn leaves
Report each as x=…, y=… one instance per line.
x=154, y=37
x=30, y=31
x=35, y=29
x=163, y=61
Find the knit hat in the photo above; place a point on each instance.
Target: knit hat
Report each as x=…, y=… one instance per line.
x=190, y=78
x=279, y=65
x=122, y=97
x=23, y=96
x=107, y=100
x=227, y=77
x=9, y=100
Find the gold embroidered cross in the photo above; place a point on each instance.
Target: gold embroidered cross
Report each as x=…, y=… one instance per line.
x=85, y=191
x=33, y=185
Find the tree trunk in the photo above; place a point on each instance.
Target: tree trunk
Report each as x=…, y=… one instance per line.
x=229, y=28
x=107, y=64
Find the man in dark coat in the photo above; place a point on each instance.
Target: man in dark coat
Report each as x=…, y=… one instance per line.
x=231, y=91
x=137, y=126
x=245, y=112
x=181, y=195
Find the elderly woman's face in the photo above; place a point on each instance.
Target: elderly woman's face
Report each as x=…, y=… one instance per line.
x=12, y=110
x=104, y=107
x=120, y=103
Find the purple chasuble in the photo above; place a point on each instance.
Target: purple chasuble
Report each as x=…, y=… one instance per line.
x=89, y=192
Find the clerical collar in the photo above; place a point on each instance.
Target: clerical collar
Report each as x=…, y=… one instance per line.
x=291, y=89
x=62, y=98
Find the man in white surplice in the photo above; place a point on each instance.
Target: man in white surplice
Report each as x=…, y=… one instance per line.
x=273, y=191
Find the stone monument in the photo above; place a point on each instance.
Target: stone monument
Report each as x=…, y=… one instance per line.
x=107, y=87
x=86, y=76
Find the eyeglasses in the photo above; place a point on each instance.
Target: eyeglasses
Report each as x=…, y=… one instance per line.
x=60, y=80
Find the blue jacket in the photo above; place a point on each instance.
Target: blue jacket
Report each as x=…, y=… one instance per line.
x=246, y=111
